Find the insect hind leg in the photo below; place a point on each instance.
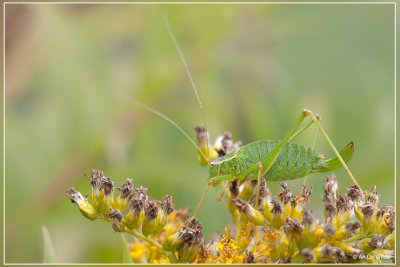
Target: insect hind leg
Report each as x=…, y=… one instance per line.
x=325, y=135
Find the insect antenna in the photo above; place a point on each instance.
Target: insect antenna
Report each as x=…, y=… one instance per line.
x=168, y=119
x=178, y=49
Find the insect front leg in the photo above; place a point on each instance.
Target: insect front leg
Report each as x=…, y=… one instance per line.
x=220, y=178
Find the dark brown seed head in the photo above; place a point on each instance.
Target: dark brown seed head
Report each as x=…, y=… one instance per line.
x=191, y=233
x=74, y=195
x=115, y=215
x=373, y=196
x=327, y=250
x=137, y=205
x=331, y=186
x=378, y=242
x=340, y=255
x=352, y=226
x=387, y=212
x=355, y=193
x=308, y=219
x=242, y=205
x=166, y=205
x=151, y=210
x=250, y=257
x=285, y=195
x=141, y=193
x=126, y=189
x=264, y=191
x=331, y=210
x=368, y=209
x=200, y=134
x=293, y=226
x=308, y=255
x=96, y=181
x=305, y=195
x=385, y=209
x=108, y=186
x=225, y=143
x=344, y=203
x=277, y=207
x=330, y=230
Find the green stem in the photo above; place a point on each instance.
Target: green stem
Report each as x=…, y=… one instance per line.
x=135, y=233
x=150, y=240
x=356, y=237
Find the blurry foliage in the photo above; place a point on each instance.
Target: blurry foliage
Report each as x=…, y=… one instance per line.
x=71, y=69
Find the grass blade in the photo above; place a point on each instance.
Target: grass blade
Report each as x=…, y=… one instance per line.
x=49, y=254
x=126, y=252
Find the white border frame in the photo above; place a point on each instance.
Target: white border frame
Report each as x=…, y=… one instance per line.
x=184, y=3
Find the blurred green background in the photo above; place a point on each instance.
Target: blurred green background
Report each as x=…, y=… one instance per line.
x=71, y=70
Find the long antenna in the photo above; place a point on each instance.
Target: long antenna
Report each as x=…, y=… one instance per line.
x=178, y=49
x=165, y=117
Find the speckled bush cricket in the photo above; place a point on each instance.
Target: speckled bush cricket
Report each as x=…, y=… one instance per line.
x=272, y=159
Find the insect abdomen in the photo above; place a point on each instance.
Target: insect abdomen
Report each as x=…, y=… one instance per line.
x=293, y=162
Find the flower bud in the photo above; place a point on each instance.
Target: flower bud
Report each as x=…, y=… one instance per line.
x=386, y=218
x=201, y=137
x=344, y=206
x=373, y=197
x=329, y=230
x=84, y=206
x=117, y=220
x=308, y=219
x=135, y=216
x=151, y=211
x=187, y=241
x=308, y=255
x=356, y=195
x=108, y=197
x=355, y=253
x=330, y=189
x=352, y=226
x=125, y=195
x=166, y=209
x=172, y=242
x=292, y=226
x=96, y=182
x=332, y=254
x=286, y=198
x=378, y=242
x=368, y=211
x=277, y=210
x=252, y=214
x=224, y=145
x=301, y=202
x=330, y=212
x=246, y=189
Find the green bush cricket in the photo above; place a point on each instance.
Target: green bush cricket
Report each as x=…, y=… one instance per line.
x=274, y=160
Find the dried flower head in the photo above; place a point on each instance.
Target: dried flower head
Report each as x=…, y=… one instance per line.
x=274, y=230
x=126, y=189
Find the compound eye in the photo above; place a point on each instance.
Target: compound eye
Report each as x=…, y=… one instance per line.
x=212, y=164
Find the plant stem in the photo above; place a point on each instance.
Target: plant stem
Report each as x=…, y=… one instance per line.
x=356, y=237
x=141, y=236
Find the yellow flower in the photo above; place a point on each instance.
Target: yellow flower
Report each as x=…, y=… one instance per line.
x=137, y=250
